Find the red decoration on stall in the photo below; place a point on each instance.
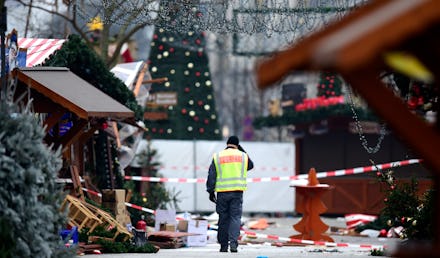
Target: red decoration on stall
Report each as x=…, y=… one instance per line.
x=104, y=125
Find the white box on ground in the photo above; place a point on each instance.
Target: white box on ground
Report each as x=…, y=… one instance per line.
x=199, y=227
x=165, y=217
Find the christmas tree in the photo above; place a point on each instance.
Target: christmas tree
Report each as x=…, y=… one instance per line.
x=181, y=57
x=330, y=85
x=30, y=219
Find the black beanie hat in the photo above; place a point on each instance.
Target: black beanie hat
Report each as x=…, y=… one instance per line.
x=233, y=140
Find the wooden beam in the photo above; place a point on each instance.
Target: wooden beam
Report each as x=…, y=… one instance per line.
x=89, y=133
x=373, y=33
x=53, y=119
x=156, y=80
x=140, y=79
x=73, y=134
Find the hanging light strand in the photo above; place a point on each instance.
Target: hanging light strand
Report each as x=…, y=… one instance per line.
x=362, y=138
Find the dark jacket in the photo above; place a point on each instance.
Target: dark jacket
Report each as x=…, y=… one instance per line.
x=212, y=174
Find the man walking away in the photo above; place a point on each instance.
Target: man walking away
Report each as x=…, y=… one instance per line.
x=227, y=176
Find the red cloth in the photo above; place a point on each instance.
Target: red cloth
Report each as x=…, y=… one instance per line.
x=126, y=56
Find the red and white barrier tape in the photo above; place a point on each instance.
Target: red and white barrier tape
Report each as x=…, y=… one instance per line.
x=140, y=208
x=205, y=168
x=92, y=192
x=333, y=173
x=302, y=241
x=354, y=220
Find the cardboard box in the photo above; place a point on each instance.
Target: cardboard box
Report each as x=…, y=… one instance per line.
x=165, y=217
x=167, y=227
x=199, y=227
x=182, y=226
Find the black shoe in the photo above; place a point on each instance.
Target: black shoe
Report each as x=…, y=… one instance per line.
x=224, y=249
x=234, y=249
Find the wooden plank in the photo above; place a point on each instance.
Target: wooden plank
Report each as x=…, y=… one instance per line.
x=77, y=187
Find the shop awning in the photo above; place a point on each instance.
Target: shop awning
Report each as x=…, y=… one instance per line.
x=73, y=93
x=38, y=49
x=57, y=91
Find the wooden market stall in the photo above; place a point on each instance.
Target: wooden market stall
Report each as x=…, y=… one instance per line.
x=55, y=92
x=354, y=47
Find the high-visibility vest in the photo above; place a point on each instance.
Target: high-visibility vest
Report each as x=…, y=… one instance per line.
x=231, y=166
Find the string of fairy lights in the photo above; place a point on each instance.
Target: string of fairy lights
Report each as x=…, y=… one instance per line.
x=274, y=23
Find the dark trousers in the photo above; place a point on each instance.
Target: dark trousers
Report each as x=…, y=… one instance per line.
x=229, y=208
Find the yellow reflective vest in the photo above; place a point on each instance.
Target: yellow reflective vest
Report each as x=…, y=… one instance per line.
x=231, y=166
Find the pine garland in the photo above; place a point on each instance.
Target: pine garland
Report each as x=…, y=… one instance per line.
x=85, y=63
x=312, y=116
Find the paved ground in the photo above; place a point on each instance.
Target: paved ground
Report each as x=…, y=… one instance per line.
x=281, y=227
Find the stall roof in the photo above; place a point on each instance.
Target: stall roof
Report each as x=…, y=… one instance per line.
x=68, y=90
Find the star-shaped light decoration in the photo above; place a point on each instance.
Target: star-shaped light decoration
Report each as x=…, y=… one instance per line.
x=95, y=24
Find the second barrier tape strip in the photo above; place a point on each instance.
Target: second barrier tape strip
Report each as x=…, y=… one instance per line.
x=306, y=242
x=333, y=173
x=264, y=236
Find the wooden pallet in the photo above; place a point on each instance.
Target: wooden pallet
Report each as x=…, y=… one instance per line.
x=79, y=215
x=109, y=222
x=82, y=214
